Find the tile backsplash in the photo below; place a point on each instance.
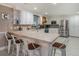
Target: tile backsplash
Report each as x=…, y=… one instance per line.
x=5, y=24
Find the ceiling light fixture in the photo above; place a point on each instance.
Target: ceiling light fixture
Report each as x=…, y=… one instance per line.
x=54, y=3
x=46, y=13
x=35, y=8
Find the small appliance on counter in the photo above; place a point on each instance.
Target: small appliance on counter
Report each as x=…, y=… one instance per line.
x=19, y=28
x=46, y=29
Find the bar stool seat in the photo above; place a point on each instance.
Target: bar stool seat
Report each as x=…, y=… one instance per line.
x=32, y=46
x=21, y=41
x=31, y=49
x=60, y=46
x=8, y=36
x=17, y=41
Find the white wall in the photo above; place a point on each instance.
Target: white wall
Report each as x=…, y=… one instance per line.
x=74, y=25
x=26, y=17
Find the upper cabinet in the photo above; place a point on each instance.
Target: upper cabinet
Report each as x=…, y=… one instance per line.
x=16, y=16
x=26, y=17
x=6, y=18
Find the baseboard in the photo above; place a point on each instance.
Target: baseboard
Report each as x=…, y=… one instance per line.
x=74, y=36
x=3, y=48
x=2, y=32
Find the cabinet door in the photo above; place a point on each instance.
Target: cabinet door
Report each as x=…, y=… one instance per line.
x=26, y=17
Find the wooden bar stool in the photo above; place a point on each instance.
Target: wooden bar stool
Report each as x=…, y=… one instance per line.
x=31, y=47
x=16, y=44
x=9, y=40
x=60, y=46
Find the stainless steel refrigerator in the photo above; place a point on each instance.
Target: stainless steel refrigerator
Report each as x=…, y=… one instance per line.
x=64, y=28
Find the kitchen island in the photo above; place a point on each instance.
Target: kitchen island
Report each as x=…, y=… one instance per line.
x=44, y=39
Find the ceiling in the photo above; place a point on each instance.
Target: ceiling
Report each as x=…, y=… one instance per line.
x=48, y=8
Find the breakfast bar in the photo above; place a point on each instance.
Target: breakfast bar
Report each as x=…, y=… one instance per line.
x=45, y=39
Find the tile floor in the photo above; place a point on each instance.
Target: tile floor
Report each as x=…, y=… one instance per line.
x=72, y=48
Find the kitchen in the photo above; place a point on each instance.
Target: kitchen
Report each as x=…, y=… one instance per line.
x=34, y=23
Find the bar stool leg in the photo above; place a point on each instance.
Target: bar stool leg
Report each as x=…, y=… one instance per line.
x=63, y=51
x=17, y=49
x=9, y=46
x=54, y=51
x=24, y=52
x=40, y=51
x=13, y=48
x=31, y=53
x=37, y=52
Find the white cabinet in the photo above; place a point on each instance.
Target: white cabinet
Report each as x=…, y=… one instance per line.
x=26, y=17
